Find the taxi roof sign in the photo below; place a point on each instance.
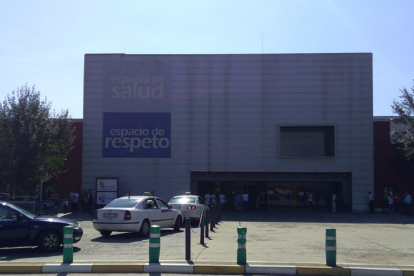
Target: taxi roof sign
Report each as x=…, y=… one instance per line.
x=147, y=194
x=187, y=193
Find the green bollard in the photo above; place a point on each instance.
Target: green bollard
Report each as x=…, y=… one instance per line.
x=154, y=244
x=68, y=244
x=330, y=247
x=241, y=250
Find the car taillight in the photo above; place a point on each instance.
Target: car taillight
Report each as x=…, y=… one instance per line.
x=127, y=215
x=192, y=207
x=95, y=216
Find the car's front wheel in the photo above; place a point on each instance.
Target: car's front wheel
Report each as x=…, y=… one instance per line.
x=105, y=233
x=49, y=240
x=145, y=229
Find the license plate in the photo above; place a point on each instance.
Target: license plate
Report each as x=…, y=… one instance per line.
x=110, y=215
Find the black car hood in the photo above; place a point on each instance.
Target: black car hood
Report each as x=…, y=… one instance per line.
x=54, y=219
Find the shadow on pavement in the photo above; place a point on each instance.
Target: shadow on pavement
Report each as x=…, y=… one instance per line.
x=121, y=237
x=16, y=253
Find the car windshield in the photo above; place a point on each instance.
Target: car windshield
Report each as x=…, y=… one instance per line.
x=21, y=210
x=183, y=199
x=123, y=203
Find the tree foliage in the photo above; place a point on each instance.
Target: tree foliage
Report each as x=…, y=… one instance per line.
x=403, y=134
x=34, y=141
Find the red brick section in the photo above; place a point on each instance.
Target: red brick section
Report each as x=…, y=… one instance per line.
x=72, y=179
x=390, y=166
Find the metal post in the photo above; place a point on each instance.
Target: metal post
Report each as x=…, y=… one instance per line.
x=215, y=215
x=154, y=244
x=212, y=219
x=219, y=212
x=202, y=227
x=206, y=221
x=330, y=247
x=241, y=250
x=187, y=239
x=68, y=244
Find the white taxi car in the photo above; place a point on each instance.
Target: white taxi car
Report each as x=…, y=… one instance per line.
x=191, y=206
x=136, y=214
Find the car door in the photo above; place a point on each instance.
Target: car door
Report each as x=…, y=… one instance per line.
x=153, y=212
x=167, y=214
x=14, y=228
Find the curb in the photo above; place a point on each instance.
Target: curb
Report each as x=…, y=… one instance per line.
x=199, y=269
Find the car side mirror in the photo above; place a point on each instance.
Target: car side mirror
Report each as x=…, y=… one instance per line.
x=169, y=206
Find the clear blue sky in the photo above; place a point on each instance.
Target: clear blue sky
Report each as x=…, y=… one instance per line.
x=43, y=43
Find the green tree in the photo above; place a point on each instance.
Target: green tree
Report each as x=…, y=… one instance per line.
x=34, y=141
x=403, y=133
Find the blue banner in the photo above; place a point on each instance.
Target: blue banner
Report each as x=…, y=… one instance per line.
x=136, y=135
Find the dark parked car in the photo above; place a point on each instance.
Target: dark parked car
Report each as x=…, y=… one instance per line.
x=19, y=227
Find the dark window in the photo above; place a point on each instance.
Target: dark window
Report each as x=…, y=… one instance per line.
x=161, y=204
x=307, y=141
x=201, y=200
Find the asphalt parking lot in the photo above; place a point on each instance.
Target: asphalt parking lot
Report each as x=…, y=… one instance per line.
x=273, y=237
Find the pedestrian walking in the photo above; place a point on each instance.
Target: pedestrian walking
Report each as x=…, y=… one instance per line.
x=371, y=202
x=245, y=201
x=333, y=202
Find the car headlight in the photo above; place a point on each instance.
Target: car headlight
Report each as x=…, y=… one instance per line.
x=75, y=224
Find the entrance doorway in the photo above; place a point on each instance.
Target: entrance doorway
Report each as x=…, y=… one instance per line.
x=232, y=188
x=264, y=195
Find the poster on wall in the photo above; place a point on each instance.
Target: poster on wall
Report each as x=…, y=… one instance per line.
x=136, y=135
x=103, y=198
x=107, y=184
x=106, y=190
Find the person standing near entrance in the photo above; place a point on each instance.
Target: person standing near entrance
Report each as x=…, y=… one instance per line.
x=390, y=203
x=74, y=198
x=407, y=204
x=397, y=200
x=310, y=200
x=213, y=199
x=258, y=200
x=222, y=199
x=371, y=202
x=238, y=202
x=333, y=202
x=207, y=198
x=89, y=205
x=245, y=201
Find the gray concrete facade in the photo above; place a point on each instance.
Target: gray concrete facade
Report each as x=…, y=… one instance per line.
x=222, y=114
